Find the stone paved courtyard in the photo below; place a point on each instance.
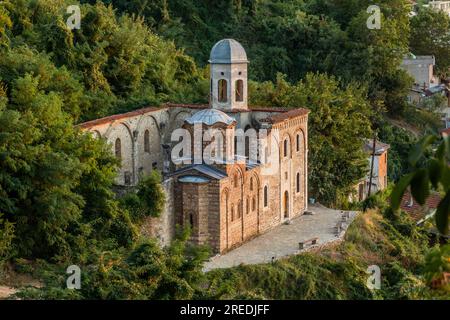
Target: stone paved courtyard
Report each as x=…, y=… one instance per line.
x=284, y=240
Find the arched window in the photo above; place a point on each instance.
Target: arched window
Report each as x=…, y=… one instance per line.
x=223, y=90
x=147, y=141
x=298, y=142
x=285, y=148
x=239, y=90
x=253, y=204
x=298, y=182
x=118, y=149
x=251, y=184
x=266, y=196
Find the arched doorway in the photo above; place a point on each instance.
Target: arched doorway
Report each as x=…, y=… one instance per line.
x=286, y=204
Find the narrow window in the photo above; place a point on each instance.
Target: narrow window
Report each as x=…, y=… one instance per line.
x=253, y=204
x=191, y=220
x=223, y=90
x=266, y=196
x=285, y=148
x=118, y=149
x=251, y=184
x=147, y=141
x=236, y=180
x=266, y=155
x=239, y=209
x=239, y=90
x=298, y=143
x=232, y=212
x=298, y=182
x=247, y=206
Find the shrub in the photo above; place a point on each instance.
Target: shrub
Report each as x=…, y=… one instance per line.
x=6, y=237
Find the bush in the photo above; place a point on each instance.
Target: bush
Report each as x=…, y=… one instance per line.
x=6, y=237
x=148, y=200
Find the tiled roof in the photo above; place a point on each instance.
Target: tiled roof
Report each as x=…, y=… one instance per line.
x=445, y=131
x=277, y=118
x=415, y=210
x=284, y=114
x=202, y=168
x=380, y=147
x=96, y=122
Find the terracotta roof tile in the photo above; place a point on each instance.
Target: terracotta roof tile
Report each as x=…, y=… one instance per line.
x=416, y=211
x=104, y=120
x=284, y=114
x=277, y=118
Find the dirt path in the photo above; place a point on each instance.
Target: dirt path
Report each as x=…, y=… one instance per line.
x=5, y=292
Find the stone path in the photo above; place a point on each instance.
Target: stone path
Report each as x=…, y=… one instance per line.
x=284, y=240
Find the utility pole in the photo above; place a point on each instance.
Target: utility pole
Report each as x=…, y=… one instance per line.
x=372, y=163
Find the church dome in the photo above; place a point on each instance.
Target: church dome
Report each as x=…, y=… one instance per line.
x=210, y=117
x=228, y=51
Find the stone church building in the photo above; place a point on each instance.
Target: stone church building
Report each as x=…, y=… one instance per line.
x=227, y=202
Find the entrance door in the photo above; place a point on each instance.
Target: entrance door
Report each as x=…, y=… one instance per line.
x=286, y=204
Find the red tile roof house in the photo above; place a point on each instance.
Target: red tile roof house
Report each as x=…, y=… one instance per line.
x=417, y=212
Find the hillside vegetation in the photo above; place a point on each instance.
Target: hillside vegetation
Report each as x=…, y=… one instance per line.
x=57, y=200
x=393, y=243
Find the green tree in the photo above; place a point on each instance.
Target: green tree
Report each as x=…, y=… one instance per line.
x=430, y=36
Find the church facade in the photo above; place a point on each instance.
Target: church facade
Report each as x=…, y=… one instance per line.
x=242, y=170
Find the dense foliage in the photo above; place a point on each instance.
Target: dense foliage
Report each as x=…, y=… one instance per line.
x=294, y=37
x=394, y=243
x=147, y=272
x=112, y=63
x=430, y=36
x=56, y=182
x=425, y=174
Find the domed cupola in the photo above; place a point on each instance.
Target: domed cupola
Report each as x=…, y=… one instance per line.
x=228, y=51
x=228, y=87
x=210, y=117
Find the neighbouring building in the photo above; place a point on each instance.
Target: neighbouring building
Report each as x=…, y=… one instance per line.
x=380, y=171
x=421, y=68
x=418, y=212
x=226, y=202
x=426, y=84
x=440, y=5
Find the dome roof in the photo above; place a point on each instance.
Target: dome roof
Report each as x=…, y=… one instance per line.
x=228, y=51
x=210, y=117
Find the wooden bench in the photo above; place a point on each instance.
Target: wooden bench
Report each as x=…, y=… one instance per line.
x=312, y=241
